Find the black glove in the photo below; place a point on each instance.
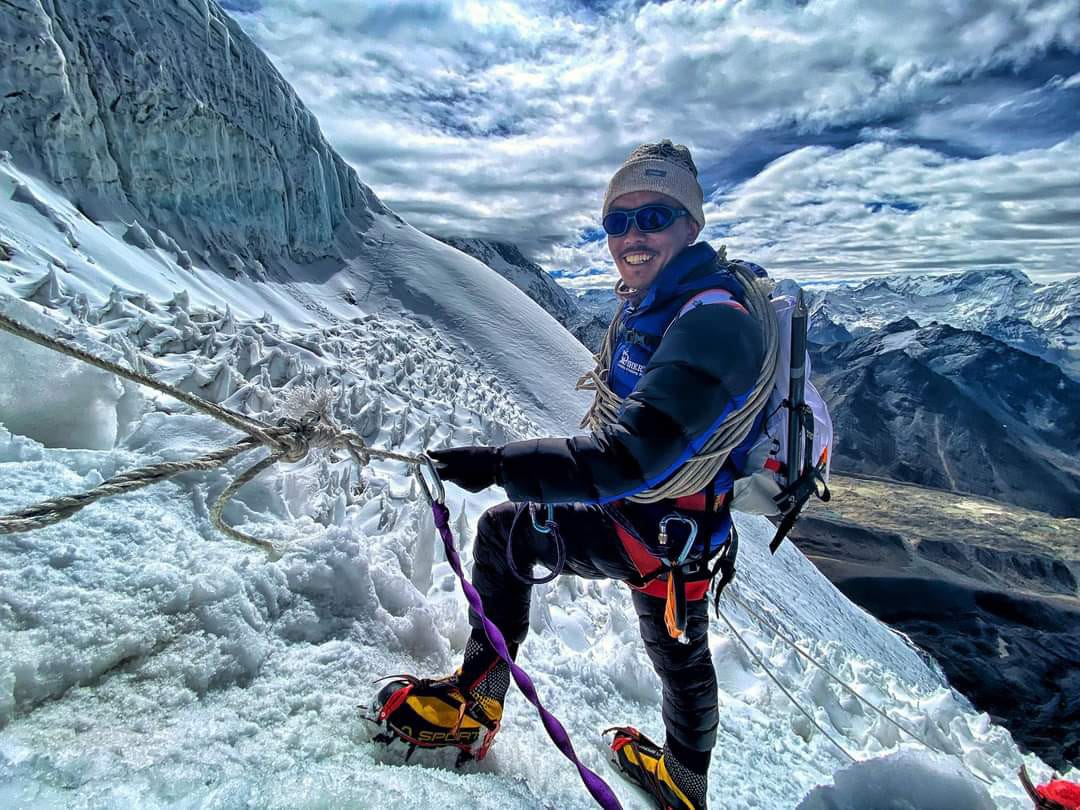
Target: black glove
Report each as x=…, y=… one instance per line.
x=472, y=468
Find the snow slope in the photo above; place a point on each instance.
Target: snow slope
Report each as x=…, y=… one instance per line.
x=397, y=269
x=149, y=662
x=508, y=261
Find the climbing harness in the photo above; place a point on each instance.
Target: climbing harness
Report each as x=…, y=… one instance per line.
x=677, y=570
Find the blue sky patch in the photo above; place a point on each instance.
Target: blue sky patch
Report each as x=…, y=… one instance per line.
x=591, y=234
x=896, y=205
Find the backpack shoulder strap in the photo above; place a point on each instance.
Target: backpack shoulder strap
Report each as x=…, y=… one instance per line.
x=716, y=295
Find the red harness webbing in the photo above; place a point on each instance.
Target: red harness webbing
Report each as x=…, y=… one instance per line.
x=648, y=565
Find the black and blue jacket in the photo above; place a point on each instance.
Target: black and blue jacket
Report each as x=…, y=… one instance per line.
x=681, y=375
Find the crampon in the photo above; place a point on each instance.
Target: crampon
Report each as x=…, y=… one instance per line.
x=643, y=762
x=435, y=713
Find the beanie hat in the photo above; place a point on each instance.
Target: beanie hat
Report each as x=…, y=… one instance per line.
x=665, y=168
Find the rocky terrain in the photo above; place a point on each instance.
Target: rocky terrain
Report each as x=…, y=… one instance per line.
x=508, y=261
x=988, y=588
x=954, y=409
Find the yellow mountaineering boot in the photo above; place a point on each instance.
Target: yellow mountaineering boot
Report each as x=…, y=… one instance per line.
x=671, y=784
x=460, y=710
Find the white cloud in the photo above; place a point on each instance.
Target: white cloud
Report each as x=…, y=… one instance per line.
x=875, y=208
x=507, y=120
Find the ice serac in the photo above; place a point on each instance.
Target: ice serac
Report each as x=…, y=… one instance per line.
x=165, y=111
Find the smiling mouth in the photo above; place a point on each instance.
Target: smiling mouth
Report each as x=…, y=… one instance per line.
x=635, y=259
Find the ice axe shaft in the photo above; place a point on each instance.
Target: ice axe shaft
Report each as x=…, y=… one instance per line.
x=797, y=391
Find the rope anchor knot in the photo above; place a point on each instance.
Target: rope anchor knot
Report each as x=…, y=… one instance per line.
x=290, y=440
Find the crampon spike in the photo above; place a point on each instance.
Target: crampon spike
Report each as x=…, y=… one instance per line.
x=464, y=757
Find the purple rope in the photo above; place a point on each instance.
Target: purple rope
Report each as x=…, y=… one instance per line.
x=596, y=786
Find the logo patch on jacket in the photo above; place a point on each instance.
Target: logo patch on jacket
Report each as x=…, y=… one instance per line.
x=627, y=364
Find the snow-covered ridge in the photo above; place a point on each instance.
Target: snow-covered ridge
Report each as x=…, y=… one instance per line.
x=165, y=112
x=508, y=261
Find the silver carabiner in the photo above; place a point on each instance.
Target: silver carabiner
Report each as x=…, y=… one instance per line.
x=440, y=491
x=689, y=521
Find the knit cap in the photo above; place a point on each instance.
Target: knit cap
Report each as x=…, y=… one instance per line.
x=664, y=167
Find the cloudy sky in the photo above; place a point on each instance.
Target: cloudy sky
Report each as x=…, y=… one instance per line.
x=833, y=137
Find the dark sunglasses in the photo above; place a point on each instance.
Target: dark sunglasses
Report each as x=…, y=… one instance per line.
x=648, y=219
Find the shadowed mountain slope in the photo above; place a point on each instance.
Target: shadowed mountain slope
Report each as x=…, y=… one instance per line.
x=955, y=410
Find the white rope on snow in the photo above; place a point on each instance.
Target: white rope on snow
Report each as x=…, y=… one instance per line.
x=851, y=690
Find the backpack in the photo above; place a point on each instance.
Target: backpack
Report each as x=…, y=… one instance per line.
x=790, y=460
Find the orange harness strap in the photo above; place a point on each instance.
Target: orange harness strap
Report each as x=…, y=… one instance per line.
x=657, y=582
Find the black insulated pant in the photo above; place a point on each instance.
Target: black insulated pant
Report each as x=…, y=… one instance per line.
x=594, y=551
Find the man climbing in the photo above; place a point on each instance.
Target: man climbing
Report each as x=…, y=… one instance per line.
x=682, y=354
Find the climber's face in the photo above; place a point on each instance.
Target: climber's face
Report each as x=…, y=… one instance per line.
x=641, y=255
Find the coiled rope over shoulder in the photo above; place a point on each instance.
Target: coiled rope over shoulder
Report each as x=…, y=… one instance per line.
x=696, y=473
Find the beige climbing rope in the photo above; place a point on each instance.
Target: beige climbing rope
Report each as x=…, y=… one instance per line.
x=696, y=473
x=289, y=441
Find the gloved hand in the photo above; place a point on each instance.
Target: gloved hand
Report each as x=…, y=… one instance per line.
x=473, y=468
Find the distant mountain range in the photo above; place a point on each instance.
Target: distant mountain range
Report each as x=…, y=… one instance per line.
x=967, y=382
x=1040, y=319
x=957, y=410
